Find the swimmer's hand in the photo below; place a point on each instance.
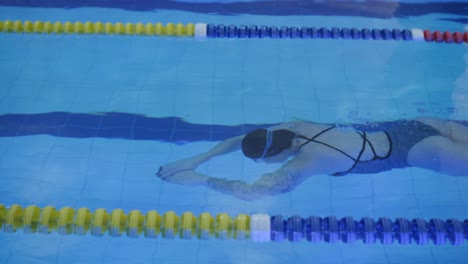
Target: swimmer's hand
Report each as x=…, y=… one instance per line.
x=187, y=178
x=170, y=169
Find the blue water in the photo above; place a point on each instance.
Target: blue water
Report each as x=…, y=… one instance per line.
x=86, y=121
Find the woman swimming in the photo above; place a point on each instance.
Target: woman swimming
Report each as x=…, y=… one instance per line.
x=308, y=149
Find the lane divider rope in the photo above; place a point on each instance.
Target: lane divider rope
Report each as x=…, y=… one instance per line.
x=257, y=227
x=47, y=27
x=202, y=30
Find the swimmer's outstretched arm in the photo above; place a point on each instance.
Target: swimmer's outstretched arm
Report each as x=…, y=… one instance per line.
x=283, y=180
x=224, y=147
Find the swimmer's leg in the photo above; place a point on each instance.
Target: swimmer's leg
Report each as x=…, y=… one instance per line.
x=457, y=132
x=453, y=130
x=440, y=154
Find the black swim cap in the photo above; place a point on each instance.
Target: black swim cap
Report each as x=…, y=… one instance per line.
x=262, y=143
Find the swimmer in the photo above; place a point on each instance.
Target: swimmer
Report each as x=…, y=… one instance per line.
x=308, y=149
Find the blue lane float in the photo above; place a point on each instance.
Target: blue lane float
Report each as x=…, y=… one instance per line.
x=348, y=230
x=284, y=32
x=222, y=31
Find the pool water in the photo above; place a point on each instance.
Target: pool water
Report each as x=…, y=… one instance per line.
x=87, y=120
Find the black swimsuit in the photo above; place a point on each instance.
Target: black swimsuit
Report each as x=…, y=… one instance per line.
x=402, y=136
x=357, y=160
